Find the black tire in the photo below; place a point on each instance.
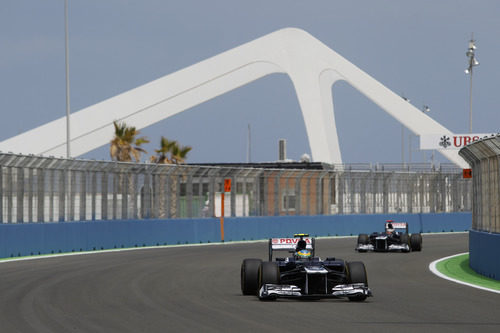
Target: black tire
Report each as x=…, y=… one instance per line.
x=416, y=242
x=250, y=276
x=363, y=239
x=356, y=273
x=269, y=272
x=405, y=240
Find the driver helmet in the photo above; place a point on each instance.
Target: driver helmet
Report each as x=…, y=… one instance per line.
x=301, y=245
x=304, y=254
x=390, y=228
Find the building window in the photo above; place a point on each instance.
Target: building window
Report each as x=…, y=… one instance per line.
x=288, y=201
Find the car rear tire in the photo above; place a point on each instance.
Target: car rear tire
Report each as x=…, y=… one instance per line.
x=416, y=242
x=250, y=276
x=356, y=273
x=363, y=239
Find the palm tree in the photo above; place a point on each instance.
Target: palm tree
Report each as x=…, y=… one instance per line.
x=126, y=144
x=170, y=152
x=179, y=153
x=162, y=156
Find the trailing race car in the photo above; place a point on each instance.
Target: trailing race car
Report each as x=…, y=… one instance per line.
x=302, y=275
x=394, y=238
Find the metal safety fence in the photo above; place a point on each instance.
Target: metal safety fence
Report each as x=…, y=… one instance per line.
x=484, y=158
x=48, y=189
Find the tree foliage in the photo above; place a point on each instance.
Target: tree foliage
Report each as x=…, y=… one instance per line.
x=170, y=152
x=126, y=144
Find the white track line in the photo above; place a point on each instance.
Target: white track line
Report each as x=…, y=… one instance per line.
x=65, y=254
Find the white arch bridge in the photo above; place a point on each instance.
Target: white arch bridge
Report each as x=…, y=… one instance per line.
x=311, y=65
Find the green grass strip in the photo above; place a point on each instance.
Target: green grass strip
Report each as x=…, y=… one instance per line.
x=458, y=268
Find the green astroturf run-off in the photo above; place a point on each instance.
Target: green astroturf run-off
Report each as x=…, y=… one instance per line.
x=458, y=268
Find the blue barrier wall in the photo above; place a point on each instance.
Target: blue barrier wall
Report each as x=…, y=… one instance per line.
x=45, y=238
x=484, y=248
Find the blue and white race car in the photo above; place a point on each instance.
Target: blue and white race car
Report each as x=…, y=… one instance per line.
x=302, y=274
x=395, y=237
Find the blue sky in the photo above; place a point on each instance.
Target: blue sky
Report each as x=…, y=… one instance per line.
x=415, y=48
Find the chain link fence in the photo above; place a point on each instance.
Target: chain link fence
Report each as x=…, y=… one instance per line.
x=48, y=189
x=484, y=157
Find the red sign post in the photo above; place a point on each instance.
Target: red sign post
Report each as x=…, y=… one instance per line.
x=227, y=185
x=227, y=188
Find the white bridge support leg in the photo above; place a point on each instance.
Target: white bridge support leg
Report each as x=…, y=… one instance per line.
x=311, y=65
x=314, y=91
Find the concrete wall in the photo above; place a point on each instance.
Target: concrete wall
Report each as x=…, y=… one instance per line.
x=484, y=239
x=484, y=248
x=45, y=238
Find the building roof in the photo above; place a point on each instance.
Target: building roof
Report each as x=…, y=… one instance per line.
x=273, y=165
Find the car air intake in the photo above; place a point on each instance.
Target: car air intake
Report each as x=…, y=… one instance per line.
x=316, y=284
x=380, y=244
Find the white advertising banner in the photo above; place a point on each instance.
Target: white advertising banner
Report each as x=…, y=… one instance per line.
x=450, y=141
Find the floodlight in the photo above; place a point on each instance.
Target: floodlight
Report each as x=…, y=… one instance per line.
x=472, y=62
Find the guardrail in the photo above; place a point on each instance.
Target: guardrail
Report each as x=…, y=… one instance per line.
x=36, y=189
x=26, y=239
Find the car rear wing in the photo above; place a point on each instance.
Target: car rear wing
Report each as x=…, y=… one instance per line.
x=289, y=244
x=396, y=225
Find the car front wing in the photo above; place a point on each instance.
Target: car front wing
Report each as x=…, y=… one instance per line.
x=389, y=248
x=272, y=291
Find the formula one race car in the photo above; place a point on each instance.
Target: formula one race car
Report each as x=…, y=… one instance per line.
x=302, y=275
x=394, y=238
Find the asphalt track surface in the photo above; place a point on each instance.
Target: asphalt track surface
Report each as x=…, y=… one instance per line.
x=197, y=289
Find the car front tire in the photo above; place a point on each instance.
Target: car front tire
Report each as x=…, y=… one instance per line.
x=356, y=273
x=250, y=276
x=363, y=239
x=405, y=240
x=269, y=273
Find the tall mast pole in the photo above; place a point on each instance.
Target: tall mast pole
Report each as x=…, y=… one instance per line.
x=68, y=137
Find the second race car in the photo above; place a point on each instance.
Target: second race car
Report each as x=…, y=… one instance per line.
x=395, y=237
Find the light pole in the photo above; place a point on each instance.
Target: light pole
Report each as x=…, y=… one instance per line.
x=68, y=150
x=402, y=144
x=472, y=62
x=249, y=143
x=426, y=109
